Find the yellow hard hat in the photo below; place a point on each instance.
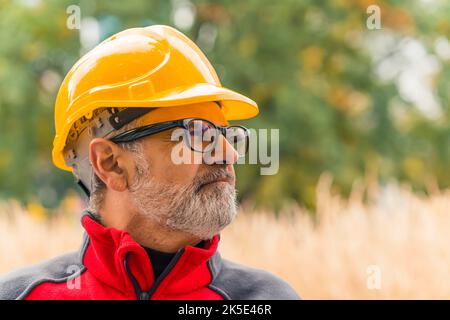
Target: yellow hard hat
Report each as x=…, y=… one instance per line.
x=155, y=66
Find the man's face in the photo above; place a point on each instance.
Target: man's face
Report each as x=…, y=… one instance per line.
x=199, y=199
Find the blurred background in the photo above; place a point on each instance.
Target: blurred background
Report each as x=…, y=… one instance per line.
x=364, y=120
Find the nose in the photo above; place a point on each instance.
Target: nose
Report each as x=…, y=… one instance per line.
x=223, y=153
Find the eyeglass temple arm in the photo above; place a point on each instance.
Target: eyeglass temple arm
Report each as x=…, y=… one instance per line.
x=143, y=131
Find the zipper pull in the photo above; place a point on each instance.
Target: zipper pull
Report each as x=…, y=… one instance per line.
x=144, y=296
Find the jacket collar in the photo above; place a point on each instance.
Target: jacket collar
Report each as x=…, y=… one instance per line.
x=114, y=258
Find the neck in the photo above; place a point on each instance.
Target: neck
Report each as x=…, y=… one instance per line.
x=143, y=229
x=152, y=235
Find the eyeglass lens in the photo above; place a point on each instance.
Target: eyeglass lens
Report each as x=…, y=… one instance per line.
x=203, y=136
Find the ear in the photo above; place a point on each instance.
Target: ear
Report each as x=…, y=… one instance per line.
x=110, y=163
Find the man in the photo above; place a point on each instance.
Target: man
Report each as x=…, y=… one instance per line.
x=132, y=117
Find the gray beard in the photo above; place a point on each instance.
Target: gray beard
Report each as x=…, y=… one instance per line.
x=200, y=211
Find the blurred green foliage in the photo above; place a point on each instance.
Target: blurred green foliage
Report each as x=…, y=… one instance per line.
x=310, y=65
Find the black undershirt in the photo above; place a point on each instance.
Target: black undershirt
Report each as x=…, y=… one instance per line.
x=160, y=260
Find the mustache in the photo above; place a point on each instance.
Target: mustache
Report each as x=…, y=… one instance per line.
x=211, y=176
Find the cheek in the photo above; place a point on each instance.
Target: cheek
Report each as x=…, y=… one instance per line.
x=165, y=170
x=181, y=173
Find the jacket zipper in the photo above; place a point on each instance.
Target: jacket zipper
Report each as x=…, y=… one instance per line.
x=146, y=295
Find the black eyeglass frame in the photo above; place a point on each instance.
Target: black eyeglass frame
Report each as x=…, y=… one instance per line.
x=140, y=132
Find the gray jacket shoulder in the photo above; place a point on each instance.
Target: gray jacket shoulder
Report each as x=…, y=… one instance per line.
x=238, y=282
x=19, y=283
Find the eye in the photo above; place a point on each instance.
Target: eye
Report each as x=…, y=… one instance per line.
x=199, y=128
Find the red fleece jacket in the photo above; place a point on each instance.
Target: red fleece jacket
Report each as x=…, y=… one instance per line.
x=111, y=265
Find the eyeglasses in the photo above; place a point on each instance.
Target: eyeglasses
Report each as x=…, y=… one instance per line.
x=200, y=135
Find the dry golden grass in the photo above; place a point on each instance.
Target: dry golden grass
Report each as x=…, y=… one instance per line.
x=397, y=235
